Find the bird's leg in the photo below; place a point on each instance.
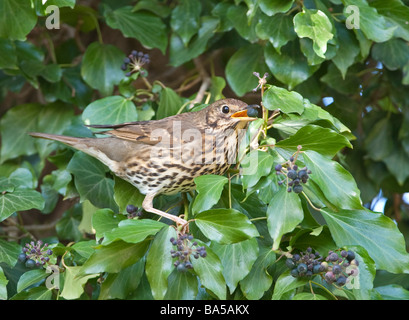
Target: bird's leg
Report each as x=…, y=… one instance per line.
x=147, y=205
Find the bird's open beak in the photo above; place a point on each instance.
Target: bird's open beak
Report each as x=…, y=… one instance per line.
x=248, y=114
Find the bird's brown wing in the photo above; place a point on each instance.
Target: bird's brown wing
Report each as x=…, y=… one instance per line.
x=151, y=132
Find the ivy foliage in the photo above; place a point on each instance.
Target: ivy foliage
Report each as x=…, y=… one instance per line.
x=335, y=101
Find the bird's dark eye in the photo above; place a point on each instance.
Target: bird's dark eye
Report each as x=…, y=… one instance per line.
x=225, y=109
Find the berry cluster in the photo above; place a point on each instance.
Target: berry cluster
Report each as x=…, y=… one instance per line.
x=133, y=211
x=336, y=267
x=134, y=63
x=35, y=254
x=333, y=269
x=294, y=175
x=305, y=263
x=185, y=248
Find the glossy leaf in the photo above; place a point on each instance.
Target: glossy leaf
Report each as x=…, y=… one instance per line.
x=209, y=189
x=284, y=100
x=225, y=225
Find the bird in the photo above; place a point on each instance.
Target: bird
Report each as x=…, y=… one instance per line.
x=165, y=156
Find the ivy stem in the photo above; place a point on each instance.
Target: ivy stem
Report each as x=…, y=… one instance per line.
x=320, y=285
x=309, y=201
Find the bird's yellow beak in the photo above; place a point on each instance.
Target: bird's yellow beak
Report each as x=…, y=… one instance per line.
x=243, y=115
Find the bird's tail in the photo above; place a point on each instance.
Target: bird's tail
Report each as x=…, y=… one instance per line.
x=71, y=141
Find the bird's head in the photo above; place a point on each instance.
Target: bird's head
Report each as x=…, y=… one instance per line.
x=230, y=114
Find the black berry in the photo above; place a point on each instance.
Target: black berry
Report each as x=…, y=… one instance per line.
x=297, y=188
x=292, y=174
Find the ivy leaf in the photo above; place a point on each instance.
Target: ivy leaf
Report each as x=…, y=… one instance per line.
x=3, y=285
x=74, y=282
x=397, y=13
x=272, y=7
x=284, y=100
x=255, y=165
x=91, y=181
x=210, y=272
x=311, y=137
x=19, y=200
x=144, y=26
x=159, y=263
x=181, y=286
x=278, y=29
x=225, y=226
x=258, y=280
x=180, y=54
x=348, y=49
x=17, y=19
x=336, y=183
x=114, y=257
x=101, y=67
x=169, y=103
x=394, y=53
x=314, y=24
x=237, y=260
x=368, y=229
x=14, y=127
x=9, y=252
x=133, y=231
x=125, y=193
x=284, y=213
x=286, y=283
x=185, y=19
x=8, y=57
x=104, y=220
x=241, y=66
x=300, y=69
x=30, y=277
x=209, y=189
x=110, y=110
x=373, y=25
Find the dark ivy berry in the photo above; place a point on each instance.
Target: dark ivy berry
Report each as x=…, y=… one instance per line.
x=336, y=269
x=181, y=267
x=302, y=268
x=302, y=174
x=290, y=263
x=350, y=256
x=30, y=263
x=294, y=273
x=296, y=257
x=297, y=188
x=278, y=167
x=317, y=269
x=292, y=174
x=341, y=280
x=22, y=257
x=252, y=112
x=130, y=208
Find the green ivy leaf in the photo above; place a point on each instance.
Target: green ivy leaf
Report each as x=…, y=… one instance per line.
x=240, y=68
x=185, y=19
x=30, y=277
x=110, y=110
x=286, y=283
x=19, y=200
x=141, y=25
x=180, y=54
x=272, y=7
x=209, y=189
x=369, y=229
x=348, y=49
x=74, y=282
x=397, y=13
x=237, y=260
x=159, y=264
x=114, y=257
x=337, y=184
x=284, y=100
x=372, y=24
x=101, y=67
x=8, y=57
x=394, y=53
x=314, y=24
x=125, y=193
x=104, y=220
x=133, y=231
x=91, y=181
x=258, y=280
x=3, y=285
x=393, y=292
x=284, y=213
x=210, y=272
x=169, y=103
x=256, y=164
x=290, y=55
x=9, y=252
x=225, y=226
x=278, y=30
x=311, y=137
x=17, y=19
x=181, y=286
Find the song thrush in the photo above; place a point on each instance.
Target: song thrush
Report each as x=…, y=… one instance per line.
x=164, y=156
